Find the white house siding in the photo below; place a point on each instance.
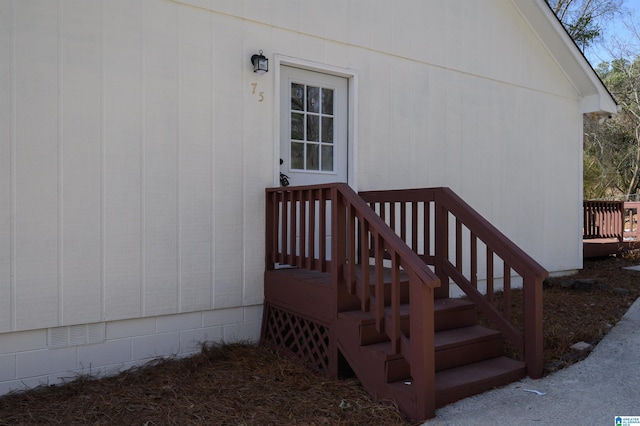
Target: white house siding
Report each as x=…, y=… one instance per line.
x=135, y=149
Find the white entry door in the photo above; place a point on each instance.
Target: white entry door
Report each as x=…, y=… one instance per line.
x=313, y=127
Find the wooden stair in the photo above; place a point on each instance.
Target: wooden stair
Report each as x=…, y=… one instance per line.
x=392, y=320
x=468, y=358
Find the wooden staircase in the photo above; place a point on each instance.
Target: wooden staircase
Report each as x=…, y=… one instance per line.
x=469, y=358
x=392, y=321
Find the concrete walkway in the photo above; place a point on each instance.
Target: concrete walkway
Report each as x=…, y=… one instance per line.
x=592, y=392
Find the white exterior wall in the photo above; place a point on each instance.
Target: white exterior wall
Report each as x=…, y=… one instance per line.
x=134, y=151
x=55, y=355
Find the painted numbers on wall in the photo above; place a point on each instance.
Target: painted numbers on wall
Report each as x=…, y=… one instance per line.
x=254, y=91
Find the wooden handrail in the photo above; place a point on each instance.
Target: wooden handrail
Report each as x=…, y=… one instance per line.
x=422, y=217
x=296, y=225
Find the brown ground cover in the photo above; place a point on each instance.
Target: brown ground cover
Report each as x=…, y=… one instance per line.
x=247, y=385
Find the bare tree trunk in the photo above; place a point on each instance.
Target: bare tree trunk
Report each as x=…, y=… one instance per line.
x=636, y=165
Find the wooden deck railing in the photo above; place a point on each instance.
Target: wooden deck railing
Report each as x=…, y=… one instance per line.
x=603, y=219
x=610, y=219
x=631, y=210
x=298, y=221
x=465, y=248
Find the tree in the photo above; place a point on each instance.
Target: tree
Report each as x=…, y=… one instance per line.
x=612, y=145
x=584, y=20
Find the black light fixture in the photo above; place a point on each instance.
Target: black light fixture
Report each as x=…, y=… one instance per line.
x=260, y=63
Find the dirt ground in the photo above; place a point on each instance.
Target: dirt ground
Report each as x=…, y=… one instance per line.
x=248, y=385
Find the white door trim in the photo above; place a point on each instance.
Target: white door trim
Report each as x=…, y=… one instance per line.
x=352, y=77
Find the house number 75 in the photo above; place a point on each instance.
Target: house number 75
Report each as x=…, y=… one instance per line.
x=254, y=86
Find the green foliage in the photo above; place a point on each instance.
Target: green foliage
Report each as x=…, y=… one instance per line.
x=584, y=20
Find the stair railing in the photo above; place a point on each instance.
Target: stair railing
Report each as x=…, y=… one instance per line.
x=297, y=223
x=466, y=249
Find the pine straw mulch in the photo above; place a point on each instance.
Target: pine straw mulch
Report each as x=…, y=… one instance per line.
x=249, y=385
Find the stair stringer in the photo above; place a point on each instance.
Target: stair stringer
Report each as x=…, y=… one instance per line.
x=370, y=364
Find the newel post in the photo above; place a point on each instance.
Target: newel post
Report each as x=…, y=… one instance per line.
x=533, y=336
x=422, y=346
x=338, y=258
x=441, y=244
x=269, y=230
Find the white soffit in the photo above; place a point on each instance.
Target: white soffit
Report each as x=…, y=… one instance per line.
x=596, y=97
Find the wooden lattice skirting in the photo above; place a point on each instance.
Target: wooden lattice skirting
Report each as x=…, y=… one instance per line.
x=292, y=334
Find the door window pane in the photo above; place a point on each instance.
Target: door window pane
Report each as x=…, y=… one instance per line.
x=297, y=156
x=313, y=162
x=313, y=128
x=297, y=97
x=297, y=126
x=313, y=99
x=327, y=158
x=327, y=129
x=327, y=101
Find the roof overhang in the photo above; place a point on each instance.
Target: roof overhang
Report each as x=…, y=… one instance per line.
x=595, y=96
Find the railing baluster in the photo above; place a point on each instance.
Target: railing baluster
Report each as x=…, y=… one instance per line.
x=403, y=222
x=489, y=274
x=311, y=259
x=365, y=299
x=428, y=250
x=506, y=291
x=284, y=239
x=351, y=248
x=458, y=244
x=302, y=252
x=392, y=217
x=414, y=228
x=379, y=288
x=322, y=231
x=395, y=303
x=474, y=259
x=293, y=215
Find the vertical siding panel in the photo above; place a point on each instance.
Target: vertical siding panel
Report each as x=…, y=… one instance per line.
x=122, y=158
x=228, y=135
x=383, y=29
x=403, y=33
x=256, y=152
x=360, y=12
x=6, y=166
x=420, y=120
x=36, y=164
x=161, y=158
x=401, y=93
x=82, y=162
x=195, y=158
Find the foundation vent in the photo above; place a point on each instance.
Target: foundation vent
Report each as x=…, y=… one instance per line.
x=76, y=335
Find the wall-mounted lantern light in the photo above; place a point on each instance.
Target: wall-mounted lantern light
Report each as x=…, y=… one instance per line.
x=260, y=63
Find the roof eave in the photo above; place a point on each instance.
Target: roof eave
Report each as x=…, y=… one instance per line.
x=595, y=96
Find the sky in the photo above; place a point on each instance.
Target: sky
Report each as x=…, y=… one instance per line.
x=615, y=29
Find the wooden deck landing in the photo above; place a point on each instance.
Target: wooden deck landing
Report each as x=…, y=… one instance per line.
x=600, y=247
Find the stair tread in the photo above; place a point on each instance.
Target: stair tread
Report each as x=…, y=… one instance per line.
x=464, y=335
x=381, y=350
x=386, y=273
x=450, y=303
x=439, y=305
x=481, y=371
